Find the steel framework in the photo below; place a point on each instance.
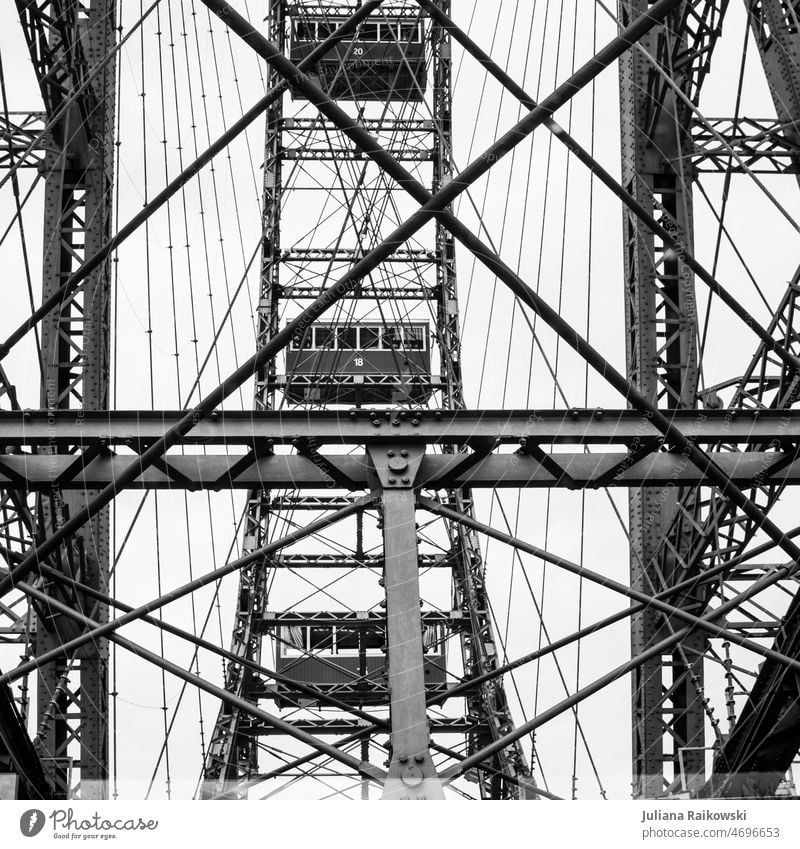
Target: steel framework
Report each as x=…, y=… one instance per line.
x=358, y=221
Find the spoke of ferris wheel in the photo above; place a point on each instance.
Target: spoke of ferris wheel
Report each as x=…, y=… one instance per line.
x=433, y=205
x=379, y=723
x=358, y=735
x=686, y=585
x=659, y=648
x=197, y=583
x=495, y=264
x=367, y=770
x=366, y=143
x=646, y=600
x=608, y=180
x=293, y=764
x=201, y=643
x=595, y=577
x=258, y=109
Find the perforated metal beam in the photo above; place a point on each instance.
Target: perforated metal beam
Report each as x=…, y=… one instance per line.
x=455, y=427
x=200, y=472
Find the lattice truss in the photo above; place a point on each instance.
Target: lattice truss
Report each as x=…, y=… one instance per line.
x=432, y=428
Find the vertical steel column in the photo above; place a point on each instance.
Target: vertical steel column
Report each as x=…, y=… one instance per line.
x=662, y=362
x=776, y=28
x=449, y=338
x=412, y=774
x=75, y=354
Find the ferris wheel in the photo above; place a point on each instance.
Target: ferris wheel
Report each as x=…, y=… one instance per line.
x=409, y=408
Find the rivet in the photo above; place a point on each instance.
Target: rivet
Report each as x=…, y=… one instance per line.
x=392, y=480
x=403, y=758
x=390, y=453
x=403, y=453
x=415, y=422
x=395, y=422
x=419, y=758
x=376, y=422
x=406, y=480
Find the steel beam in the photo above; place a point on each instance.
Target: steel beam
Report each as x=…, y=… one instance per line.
x=762, y=145
x=774, y=27
x=662, y=353
x=435, y=205
x=701, y=25
x=204, y=472
x=367, y=770
x=765, y=738
x=18, y=755
x=67, y=39
x=83, y=429
x=412, y=774
x=442, y=260
x=662, y=647
x=647, y=600
x=238, y=127
x=338, y=727
x=204, y=580
x=19, y=132
x=432, y=205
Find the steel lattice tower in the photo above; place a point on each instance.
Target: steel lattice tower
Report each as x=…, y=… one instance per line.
x=363, y=629
x=685, y=534
x=65, y=41
x=422, y=277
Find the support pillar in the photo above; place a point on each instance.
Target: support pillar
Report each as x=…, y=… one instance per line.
x=412, y=774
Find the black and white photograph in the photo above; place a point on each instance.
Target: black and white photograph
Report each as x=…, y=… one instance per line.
x=400, y=401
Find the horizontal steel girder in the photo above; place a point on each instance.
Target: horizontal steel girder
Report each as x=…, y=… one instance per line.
x=195, y=472
x=762, y=144
x=20, y=144
x=545, y=427
x=351, y=618
x=342, y=561
x=341, y=727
